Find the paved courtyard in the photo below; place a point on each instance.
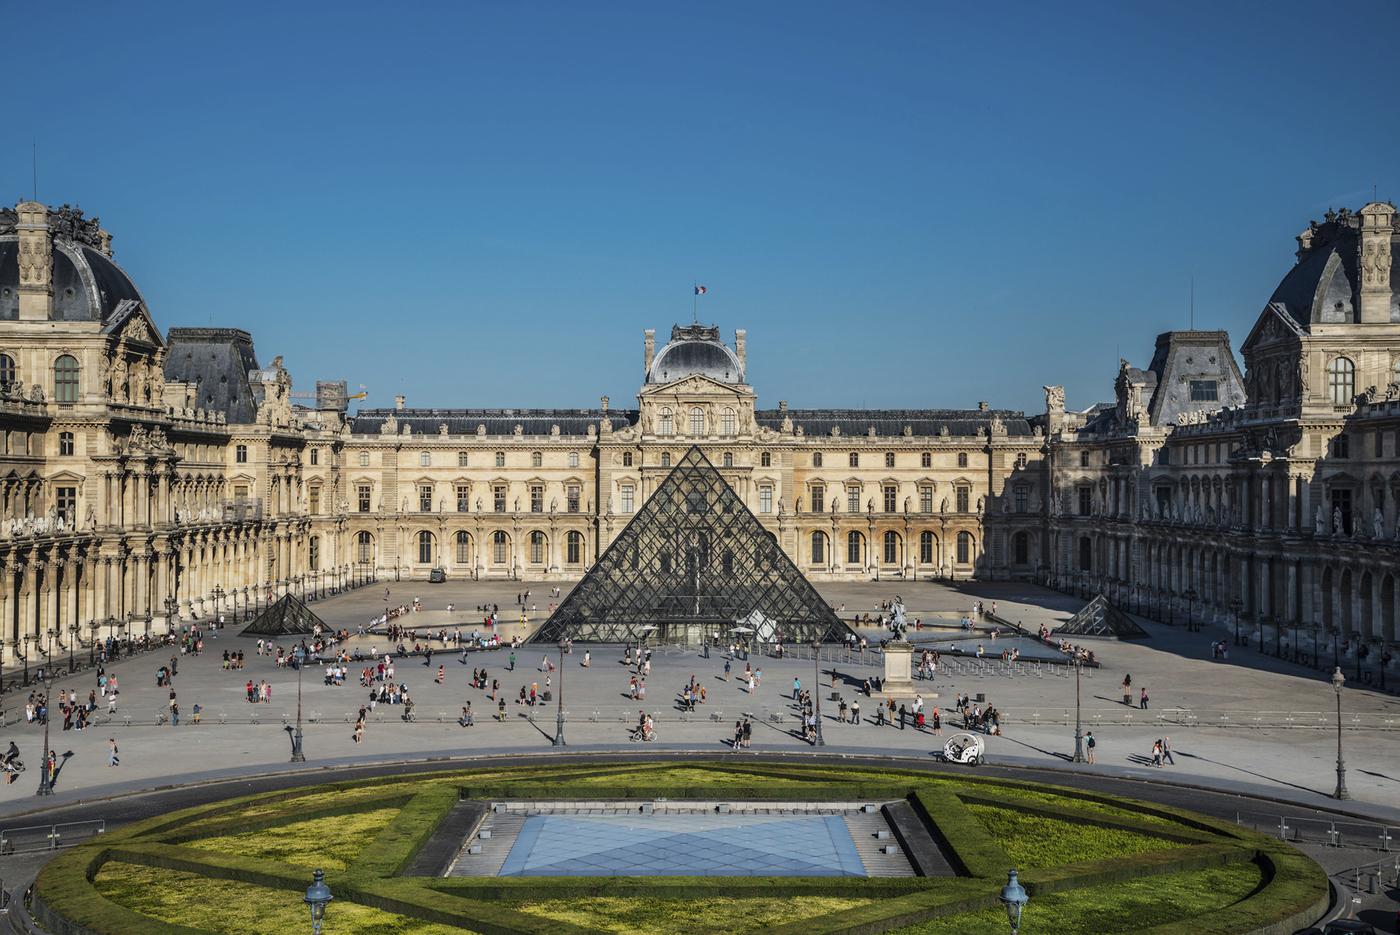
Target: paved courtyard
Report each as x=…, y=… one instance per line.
x=1217, y=746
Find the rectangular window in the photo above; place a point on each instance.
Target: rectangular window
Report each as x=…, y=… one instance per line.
x=536, y=498
x=364, y=459
x=1164, y=501
x=962, y=494
x=315, y=456
x=1341, y=500
x=1379, y=444
x=425, y=459
x=65, y=443
x=891, y=498
x=571, y=497
x=854, y=459
x=1083, y=459
x=362, y=494
x=240, y=492
x=463, y=497
x=926, y=459
x=313, y=500
x=626, y=497
x=66, y=503
x=1204, y=391
x=818, y=498
x=500, y=459
x=573, y=459
x=240, y=454
x=1086, y=501
x=498, y=498
x=925, y=499
x=816, y=459
x=425, y=498
x=462, y=459
x=765, y=499
x=852, y=499
x=1021, y=499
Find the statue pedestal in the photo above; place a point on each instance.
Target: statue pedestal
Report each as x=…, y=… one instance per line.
x=899, y=672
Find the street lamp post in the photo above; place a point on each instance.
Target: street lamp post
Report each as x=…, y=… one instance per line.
x=45, y=782
x=1078, y=720
x=1014, y=898
x=1237, y=605
x=1336, y=660
x=559, y=716
x=25, y=657
x=295, y=734
x=1338, y=680
x=817, y=690
x=318, y=896
x=72, y=646
x=1259, y=615
x=1190, y=595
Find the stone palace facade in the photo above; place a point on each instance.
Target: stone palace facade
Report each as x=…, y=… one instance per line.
x=148, y=476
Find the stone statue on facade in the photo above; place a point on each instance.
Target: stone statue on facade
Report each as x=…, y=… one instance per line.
x=1377, y=524
x=1337, y=528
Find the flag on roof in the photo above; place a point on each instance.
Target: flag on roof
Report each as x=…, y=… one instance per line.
x=701, y=290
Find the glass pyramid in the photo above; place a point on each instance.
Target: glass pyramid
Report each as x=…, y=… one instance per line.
x=693, y=563
x=286, y=617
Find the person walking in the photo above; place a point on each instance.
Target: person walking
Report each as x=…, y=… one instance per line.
x=442, y=674
x=1128, y=690
x=796, y=689
x=1142, y=699
x=587, y=658
x=1089, y=744
x=112, y=758
x=1157, y=753
x=1167, y=751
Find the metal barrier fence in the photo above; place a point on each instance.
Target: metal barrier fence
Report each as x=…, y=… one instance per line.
x=1298, y=829
x=49, y=837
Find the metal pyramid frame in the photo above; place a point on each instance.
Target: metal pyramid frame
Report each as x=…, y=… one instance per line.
x=287, y=617
x=694, y=562
x=1100, y=618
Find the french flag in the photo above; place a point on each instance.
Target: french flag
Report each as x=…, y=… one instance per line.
x=701, y=290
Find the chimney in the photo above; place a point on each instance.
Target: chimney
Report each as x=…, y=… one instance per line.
x=399, y=402
x=1377, y=219
x=35, y=262
x=649, y=344
x=741, y=348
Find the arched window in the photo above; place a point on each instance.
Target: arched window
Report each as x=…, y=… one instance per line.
x=536, y=459
x=697, y=421
x=728, y=459
x=1341, y=381
x=891, y=548
x=498, y=547
x=665, y=423
x=464, y=548
x=462, y=459
x=818, y=548
x=537, y=548
x=964, y=548
x=425, y=548
x=962, y=459
x=425, y=459
x=574, y=548
x=313, y=553
x=855, y=547
x=7, y=370
x=1022, y=548
x=926, y=548
x=364, y=544
x=728, y=425
x=65, y=379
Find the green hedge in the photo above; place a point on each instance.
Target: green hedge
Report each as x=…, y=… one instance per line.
x=392, y=849
x=1097, y=820
x=965, y=840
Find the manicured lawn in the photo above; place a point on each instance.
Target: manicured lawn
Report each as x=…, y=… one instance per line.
x=1118, y=907
x=330, y=843
x=232, y=908
x=1032, y=841
x=718, y=915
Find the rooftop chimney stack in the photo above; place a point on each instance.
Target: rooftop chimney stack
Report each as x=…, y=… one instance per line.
x=741, y=345
x=35, y=262
x=649, y=344
x=1377, y=219
x=399, y=402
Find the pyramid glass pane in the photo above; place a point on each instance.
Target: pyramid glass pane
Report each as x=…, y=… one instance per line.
x=693, y=563
x=286, y=617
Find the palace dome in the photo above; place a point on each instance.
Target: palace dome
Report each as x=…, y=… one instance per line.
x=87, y=284
x=695, y=349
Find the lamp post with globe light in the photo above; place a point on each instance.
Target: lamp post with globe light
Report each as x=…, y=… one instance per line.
x=1014, y=897
x=318, y=896
x=559, y=716
x=816, y=690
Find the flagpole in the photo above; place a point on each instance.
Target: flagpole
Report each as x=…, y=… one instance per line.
x=695, y=301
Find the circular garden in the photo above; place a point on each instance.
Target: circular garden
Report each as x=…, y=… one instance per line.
x=1091, y=863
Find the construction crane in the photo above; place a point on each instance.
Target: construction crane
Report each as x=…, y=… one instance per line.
x=360, y=395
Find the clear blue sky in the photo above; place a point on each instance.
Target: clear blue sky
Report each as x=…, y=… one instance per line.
x=906, y=204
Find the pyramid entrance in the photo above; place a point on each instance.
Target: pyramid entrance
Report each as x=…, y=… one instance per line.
x=692, y=564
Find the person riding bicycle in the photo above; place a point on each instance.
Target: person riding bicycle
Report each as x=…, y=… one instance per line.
x=11, y=755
